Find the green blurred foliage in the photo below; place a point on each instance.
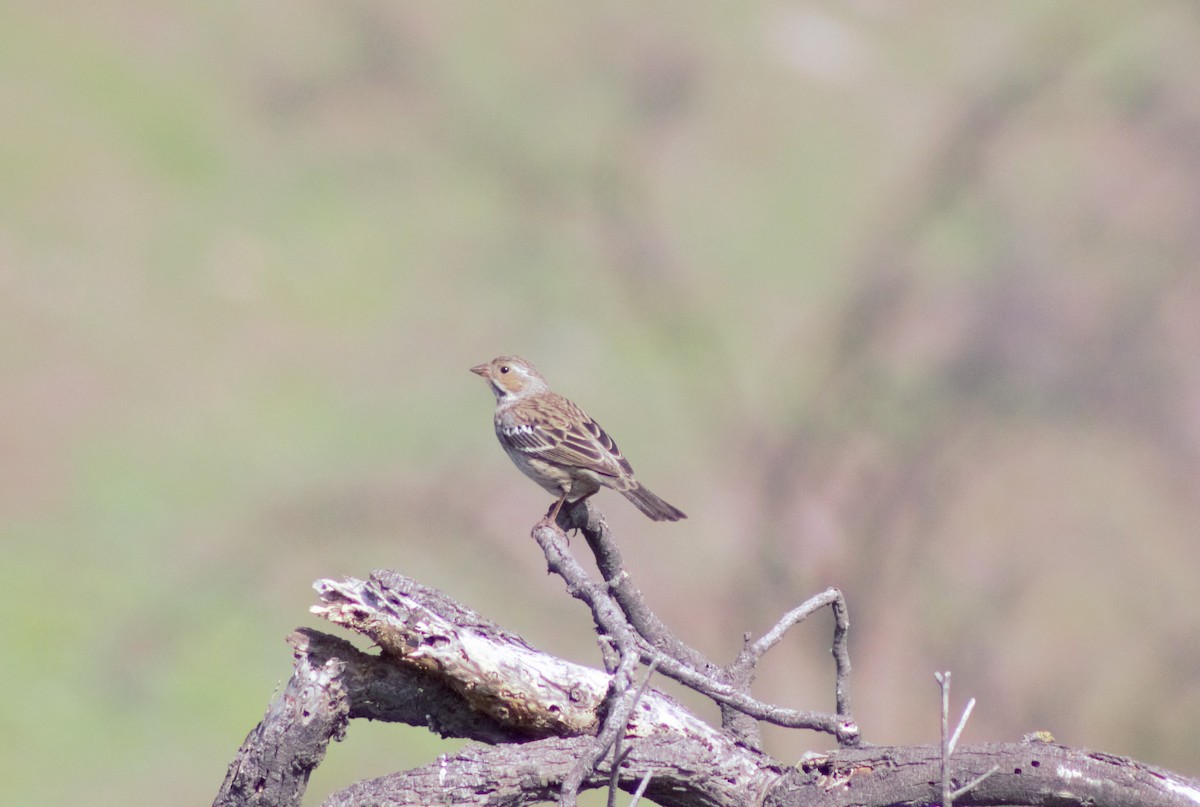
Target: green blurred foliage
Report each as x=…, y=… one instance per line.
x=897, y=297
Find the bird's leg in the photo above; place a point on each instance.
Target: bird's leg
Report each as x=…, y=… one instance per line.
x=571, y=511
x=552, y=513
x=556, y=508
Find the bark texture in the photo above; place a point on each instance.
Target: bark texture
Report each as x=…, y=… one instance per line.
x=446, y=668
x=547, y=728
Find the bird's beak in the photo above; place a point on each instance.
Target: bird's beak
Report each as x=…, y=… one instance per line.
x=482, y=370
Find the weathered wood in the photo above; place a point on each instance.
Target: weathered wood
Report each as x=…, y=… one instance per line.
x=553, y=727
x=683, y=774
x=446, y=668
x=272, y=767
x=1030, y=773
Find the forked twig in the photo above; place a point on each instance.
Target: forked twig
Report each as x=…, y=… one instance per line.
x=691, y=668
x=949, y=742
x=840, y=726
x=625, y=622
x=943, y=679
x=618, y=754
x=833, y=599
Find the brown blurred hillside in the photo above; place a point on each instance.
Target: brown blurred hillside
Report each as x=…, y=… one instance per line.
x=902, y=298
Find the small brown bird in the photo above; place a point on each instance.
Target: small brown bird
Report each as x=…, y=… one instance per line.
x=556, y=444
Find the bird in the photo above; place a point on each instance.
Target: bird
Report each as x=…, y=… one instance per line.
x=558, y=445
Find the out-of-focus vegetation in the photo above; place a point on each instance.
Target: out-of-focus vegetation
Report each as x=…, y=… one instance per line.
x=902, y=298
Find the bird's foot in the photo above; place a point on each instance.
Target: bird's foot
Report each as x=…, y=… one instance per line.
x=552, y=519
x=553, y=524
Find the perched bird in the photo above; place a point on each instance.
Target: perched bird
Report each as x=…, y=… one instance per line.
x=556, y=444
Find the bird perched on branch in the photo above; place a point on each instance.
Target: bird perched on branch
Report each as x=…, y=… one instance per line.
x=557, y=445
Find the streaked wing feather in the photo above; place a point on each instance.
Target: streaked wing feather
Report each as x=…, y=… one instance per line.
x=566, y=436
x=527, y=438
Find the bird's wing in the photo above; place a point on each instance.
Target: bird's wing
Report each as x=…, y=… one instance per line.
x=555, y=430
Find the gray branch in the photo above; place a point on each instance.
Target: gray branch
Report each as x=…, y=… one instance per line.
x=534, y=717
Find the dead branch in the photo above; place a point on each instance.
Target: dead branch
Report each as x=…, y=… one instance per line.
x=274, y=763
x=1028, y=773
x=681, y=775
x=728, y=686
x=549, y=725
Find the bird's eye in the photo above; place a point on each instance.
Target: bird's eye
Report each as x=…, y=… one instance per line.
x=504, y=368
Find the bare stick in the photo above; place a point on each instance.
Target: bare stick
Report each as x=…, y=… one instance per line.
x=943, y=679
x=832, y=598
x=641, y=789
x=962, y=724
x=621, y=699
x=950, y=742
x=681, y=662
x=971, y=785
x=840, y=726
x=618, y=754
x=841, y=654
x=588, y=519
x=790, y=620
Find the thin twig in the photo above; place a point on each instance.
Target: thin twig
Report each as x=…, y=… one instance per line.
x=950, y=742
x=641, y=788
x=620, y=700
x=675, y=659
x=621, y=696
x=789, y=620
x=588, y=519
x=971, y=785
x=962, y=724
x=943, y=679
x=841, y=653
x=833, y=599
x=840, y=726
x=618, y=754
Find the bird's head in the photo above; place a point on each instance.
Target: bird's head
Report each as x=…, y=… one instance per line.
x=511, y=378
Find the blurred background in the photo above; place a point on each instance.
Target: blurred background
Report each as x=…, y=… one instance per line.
x=898, y=297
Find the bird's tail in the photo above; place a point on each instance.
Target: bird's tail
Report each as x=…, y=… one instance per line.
x=651, y=505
